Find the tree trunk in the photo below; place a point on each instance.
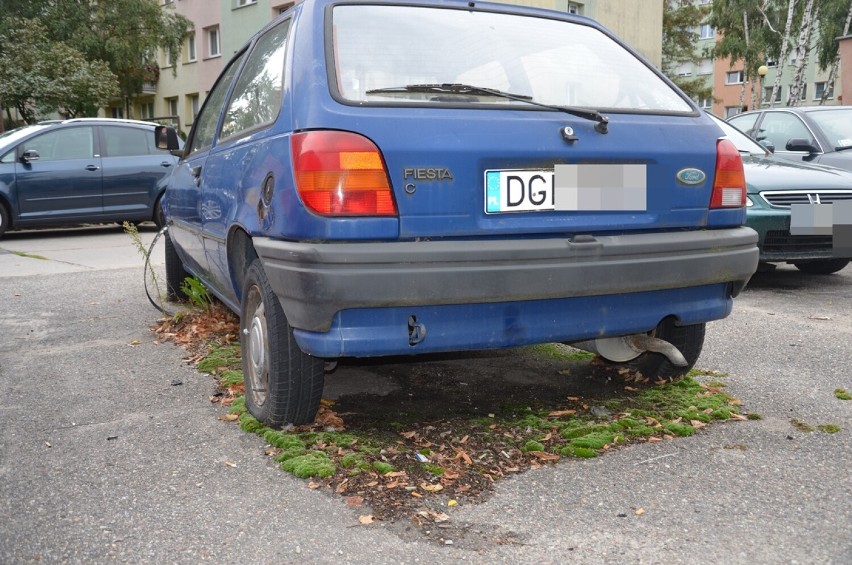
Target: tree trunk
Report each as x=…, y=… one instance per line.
x=782, y=56
x=802, y=51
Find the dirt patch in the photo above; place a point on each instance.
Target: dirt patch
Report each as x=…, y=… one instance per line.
x=407, y=441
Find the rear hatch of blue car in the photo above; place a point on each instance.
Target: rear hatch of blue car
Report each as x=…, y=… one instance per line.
x=511, y=122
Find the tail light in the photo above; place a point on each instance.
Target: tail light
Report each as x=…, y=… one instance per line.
x=729, y=187
x=341, y=174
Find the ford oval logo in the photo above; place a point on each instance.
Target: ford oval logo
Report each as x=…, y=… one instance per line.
x=691, y=176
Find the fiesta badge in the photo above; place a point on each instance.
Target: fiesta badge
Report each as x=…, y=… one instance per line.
x=691, y=176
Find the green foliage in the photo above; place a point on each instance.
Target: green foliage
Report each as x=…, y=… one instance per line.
x=222, y=358
x=72, y=56
x=249, y=424
x=842, y=394
x=311, y=464
x=151, y=275
x=532, y=445
x=829, y=428
x=681, y=19
x=196, y=293
x=231, y=378
x=383, y=468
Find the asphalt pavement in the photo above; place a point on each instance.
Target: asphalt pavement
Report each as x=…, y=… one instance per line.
x=110, y=450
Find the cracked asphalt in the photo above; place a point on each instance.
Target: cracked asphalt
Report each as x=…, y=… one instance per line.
x=110, y=450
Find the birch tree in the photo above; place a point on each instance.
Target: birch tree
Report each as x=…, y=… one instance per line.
x=802, y=51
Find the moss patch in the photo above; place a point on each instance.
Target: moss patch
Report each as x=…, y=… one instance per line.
x=828, y=428
x=842, y=394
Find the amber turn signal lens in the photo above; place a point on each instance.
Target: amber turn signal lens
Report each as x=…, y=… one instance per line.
x=341, y=174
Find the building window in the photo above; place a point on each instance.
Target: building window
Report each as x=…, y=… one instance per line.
x=241, y=3
x=705, y=67
x=684, y=69
x=767, y=93
x=214, y=48
x=706, y=32
x=706, y=103
x=117, y=112
x=172, y=105
x=147, y=110
x=734, y=77
x=168, y=58
x=190, y=48
x=732, y=111
x=575, y=8
x=819, y=90
x=193, y=105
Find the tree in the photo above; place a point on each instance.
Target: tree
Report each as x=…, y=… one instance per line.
x=40, y=75
x=680, y=20
x=123, y=36
x=745, y=35
x=802, y=49
x=834, y=22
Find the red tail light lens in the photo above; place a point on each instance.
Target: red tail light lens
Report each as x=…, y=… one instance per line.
x=341, y=174
x=729, y=187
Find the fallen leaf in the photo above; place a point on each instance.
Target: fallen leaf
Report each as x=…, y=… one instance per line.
x=697, y=424
x=416, y=494
x=393, y=474
x=313, y=486
x=135, y=342
x=230, y=464
x=544, y=456
x=354, y=501
x=431, y=488
x=572, y=398
x=408, y=435
x=366, y=519
x=372, y=483
x=640, y=511
x=559, y=413
x=229, y=417
x=654, y=439
x=439, y=517
x=565, y=372
x=631, y=389
x=738, y=417
x=464, y=439
x=452, y=502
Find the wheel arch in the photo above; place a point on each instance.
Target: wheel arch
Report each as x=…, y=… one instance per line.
x=241, y=253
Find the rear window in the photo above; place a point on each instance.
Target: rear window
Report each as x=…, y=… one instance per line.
x=553, y=62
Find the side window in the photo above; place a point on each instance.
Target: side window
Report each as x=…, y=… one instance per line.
x=781, y=127
x=745, y=123
x=205, y=124
x=61, y=144
x=256, y=99
x=125, y=142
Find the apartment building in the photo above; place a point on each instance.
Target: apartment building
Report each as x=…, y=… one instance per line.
x=733, y=92
x=221, y=27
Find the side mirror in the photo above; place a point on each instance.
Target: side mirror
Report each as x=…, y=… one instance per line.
x=768, y=145
x=29, y=155
x=798, y=144
x=165, y=137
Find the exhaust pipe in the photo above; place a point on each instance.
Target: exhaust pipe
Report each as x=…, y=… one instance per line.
x=629, y=347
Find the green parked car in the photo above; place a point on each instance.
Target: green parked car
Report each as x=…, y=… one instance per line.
x=773, y=185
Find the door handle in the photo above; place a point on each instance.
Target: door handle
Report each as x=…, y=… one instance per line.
x=165, y=164
x=92, y=167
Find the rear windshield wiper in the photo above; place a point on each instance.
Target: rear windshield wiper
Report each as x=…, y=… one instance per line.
x=455, y=88
x=843, y=148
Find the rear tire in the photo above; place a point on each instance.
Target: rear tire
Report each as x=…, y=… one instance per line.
x=688, y=339
x=283, y=384
x=4, y=219
x=159, y=217
x=822, y=267
x=175, y=272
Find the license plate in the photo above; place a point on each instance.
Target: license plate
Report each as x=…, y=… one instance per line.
x=567, y=188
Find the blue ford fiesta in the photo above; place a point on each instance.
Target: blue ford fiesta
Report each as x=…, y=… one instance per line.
x=396, y=178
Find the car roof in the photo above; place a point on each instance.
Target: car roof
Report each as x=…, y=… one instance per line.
x=110, y=121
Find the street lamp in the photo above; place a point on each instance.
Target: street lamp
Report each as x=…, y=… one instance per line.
x=761, y=72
